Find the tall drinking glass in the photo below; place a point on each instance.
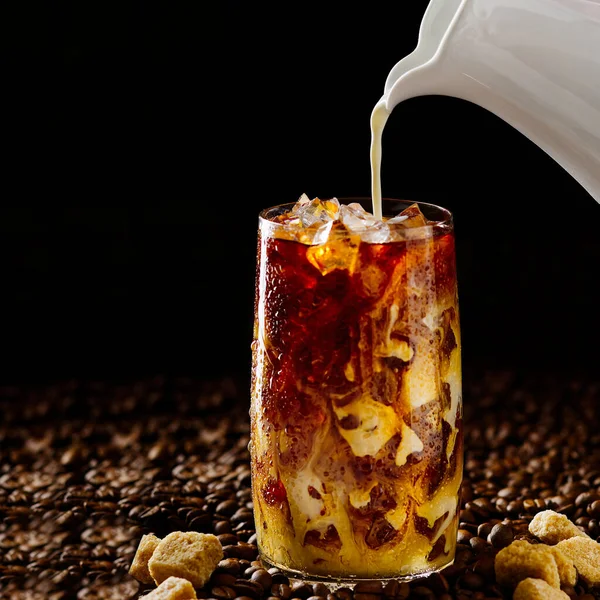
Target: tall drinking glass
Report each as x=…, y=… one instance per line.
x=356, y=409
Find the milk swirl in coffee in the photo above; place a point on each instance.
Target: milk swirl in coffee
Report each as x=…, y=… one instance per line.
x=356, y=392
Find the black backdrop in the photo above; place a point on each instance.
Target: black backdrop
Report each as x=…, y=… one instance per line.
x=141, y=140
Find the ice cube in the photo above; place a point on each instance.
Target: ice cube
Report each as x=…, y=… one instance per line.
x=380, y=233
x=301, y=202
x=415, y=217
x=334, y=254
x=332, y=207
x=355, y=217
x=315, y=234
x=370, y=229
x=397, y=220
x=317, y=211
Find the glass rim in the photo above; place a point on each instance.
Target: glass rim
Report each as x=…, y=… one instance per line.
x=445, y=223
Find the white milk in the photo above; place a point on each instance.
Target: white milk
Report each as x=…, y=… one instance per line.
x=379, y=117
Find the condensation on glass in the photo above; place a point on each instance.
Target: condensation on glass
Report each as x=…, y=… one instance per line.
x=356, y=409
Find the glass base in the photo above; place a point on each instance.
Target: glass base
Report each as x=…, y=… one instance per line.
x=335, y=581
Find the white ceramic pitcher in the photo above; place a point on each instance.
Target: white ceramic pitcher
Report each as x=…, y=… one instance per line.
x=533, y=63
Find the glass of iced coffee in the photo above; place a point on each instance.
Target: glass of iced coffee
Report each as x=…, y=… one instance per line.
x=357, y=444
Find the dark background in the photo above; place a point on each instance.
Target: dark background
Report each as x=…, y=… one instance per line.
x=141, y=139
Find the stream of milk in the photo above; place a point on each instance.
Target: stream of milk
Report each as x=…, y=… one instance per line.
x=379, y=117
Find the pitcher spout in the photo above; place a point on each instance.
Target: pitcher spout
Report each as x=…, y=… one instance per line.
x=423, y=80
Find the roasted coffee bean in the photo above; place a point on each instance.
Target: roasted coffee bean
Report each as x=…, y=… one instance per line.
x=245, y=551
x=102, y=552
x=514, y=507
x=245, y=534
x=15, y=556
x=582, y=522
x=320, y=589
x=478, y=544
x=263, y=578
x=223, y=592
x=47, y=574
x=222, y=527
x=194, y=513
x=366, y=596
x=278, y=576
x=485, y=528
x=369, y=587
x=136, y=512
x=464, y=536
x=281, y=590
x=593, y=509
x=485, y=567
x=240, y=515
x=219, y=579
x=529, y=506
x=227, y=508
x=390, y=589
x=227, y=539
x=482, y=507
x=229, y=565
x=250, y=570
x=403, y=591
x=201, y=524
x=245, y=587
x=301, y=590
x=500, y=536
x=472, y=581
x=508, y=493
x=437, y=583
x=586, y=498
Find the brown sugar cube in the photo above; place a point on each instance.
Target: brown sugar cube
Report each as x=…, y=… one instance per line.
x=139, y=566
x=173, y=588
x=190, y=555
x=551, y=527
x=537, y=589
x=521, y=560
x=585, y=554
x=566, y=570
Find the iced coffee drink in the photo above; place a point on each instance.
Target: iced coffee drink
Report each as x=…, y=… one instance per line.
x=356, y=392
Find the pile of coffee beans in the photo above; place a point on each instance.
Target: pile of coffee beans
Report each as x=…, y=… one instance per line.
x=87, y=468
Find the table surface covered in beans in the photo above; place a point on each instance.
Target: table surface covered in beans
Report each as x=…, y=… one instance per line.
x=87, y=468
